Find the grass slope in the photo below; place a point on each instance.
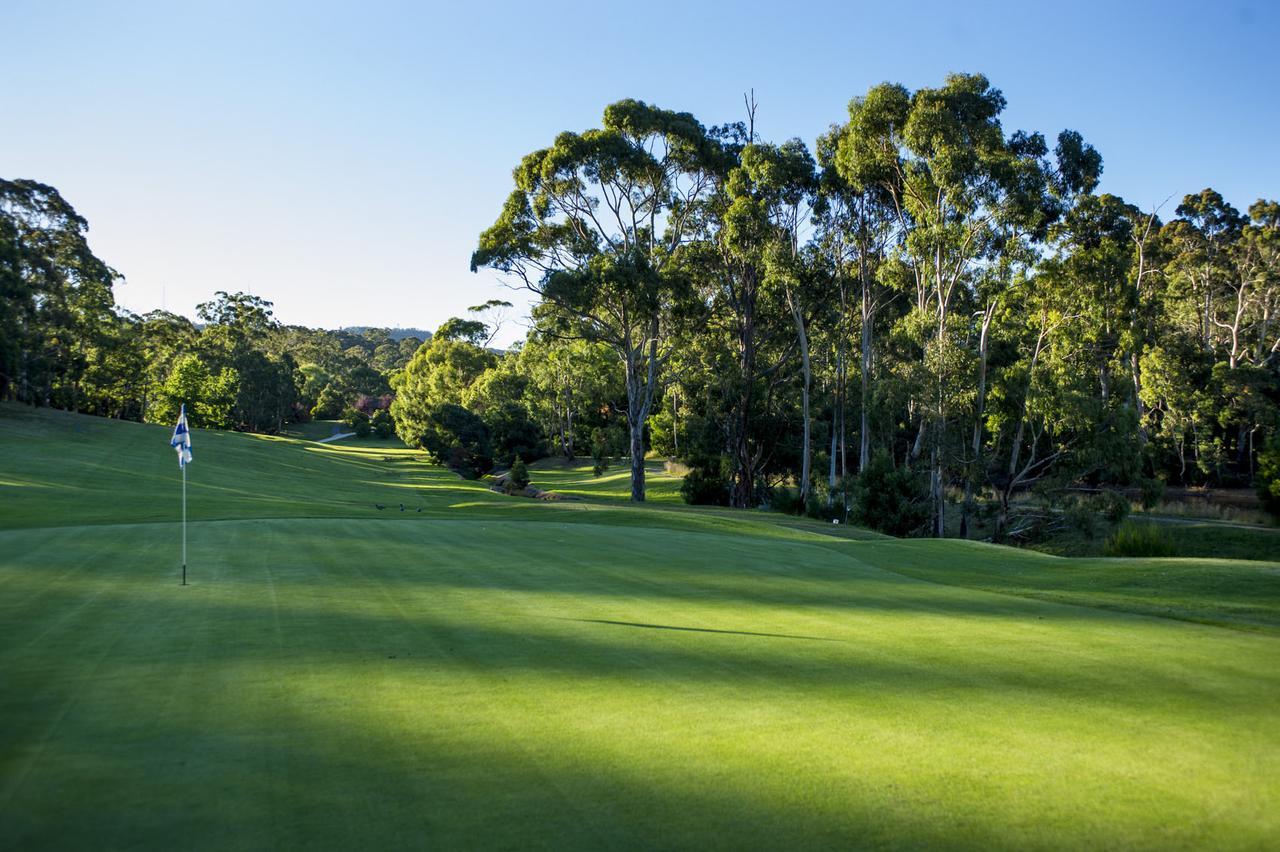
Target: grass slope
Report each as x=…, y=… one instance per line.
x=498, y=672
x=576, y=479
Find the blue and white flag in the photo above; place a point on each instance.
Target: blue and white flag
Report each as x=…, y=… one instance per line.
x=181, y=440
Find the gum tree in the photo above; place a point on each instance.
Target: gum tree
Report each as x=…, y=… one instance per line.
x=595, y=227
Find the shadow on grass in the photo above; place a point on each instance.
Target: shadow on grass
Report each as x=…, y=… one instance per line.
x=270, y=769
x=279, y=628
x=702, y=629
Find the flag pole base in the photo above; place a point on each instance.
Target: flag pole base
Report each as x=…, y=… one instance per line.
x=184, y=573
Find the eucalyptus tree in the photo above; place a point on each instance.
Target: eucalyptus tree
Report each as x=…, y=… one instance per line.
x=57, y=302
x=239, y=332
x=856, y=223
x=1258, y=268
x=570, y=382
x=786, y=180
x=1201, y=239
x=750, y=267
x=1247, y=300
x=1037, y=192
x=595, y=227
x=941, y=157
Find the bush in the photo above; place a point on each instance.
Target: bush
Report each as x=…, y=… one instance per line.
x=358, y=422
x=1152, y=493
x=1269, y=476
x=382, y=424
x=704, y=487
x=519, y=475
x=1081, y=515
x=1138, y=540
x=890, y=499
x=328, y=404
x=599, y=451
x=514, y=434
x=786, y=500
x=1113, y=505
x=458, y=438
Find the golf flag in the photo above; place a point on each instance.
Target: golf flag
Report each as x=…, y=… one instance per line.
x=181, y=440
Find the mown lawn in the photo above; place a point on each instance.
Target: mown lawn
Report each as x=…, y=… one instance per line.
x=578, y=479
x=499, y=672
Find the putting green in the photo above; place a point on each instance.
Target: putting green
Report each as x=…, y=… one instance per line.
x=497, y=672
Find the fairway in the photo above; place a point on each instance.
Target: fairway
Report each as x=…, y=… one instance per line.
x=494, y=672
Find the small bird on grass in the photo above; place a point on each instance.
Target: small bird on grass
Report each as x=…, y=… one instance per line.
x=379, y=506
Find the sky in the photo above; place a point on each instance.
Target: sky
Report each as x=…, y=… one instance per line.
x=341, y=159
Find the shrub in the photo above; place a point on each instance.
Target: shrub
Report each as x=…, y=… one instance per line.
x=357, y=421
x=519, y=475
x=1152, y=493
x=1138, y=540
x=514, y=433
x=599, y=451
x=1269, y=476
x=328, y=404
x=705, y=487
x=382, y=424
x=457, y=438
x=890, y=499
x=1113, y=505
x=786, y=500
x=1081, y=515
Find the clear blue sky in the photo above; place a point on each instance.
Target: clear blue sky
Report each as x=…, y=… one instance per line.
x=341, y=159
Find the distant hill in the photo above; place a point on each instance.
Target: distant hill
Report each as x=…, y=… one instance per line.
x=394, y=333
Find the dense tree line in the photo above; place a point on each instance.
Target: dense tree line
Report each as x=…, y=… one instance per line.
x=923, y=286
x=64, y=343
x=915, y=323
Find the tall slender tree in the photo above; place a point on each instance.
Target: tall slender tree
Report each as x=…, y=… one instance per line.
x=595, y=226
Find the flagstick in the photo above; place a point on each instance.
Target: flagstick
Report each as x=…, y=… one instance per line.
x=184, y=524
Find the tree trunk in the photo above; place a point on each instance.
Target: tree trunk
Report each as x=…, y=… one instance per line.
x=642, y=380
x=939, y=488
x=675, y=422
x=1018, y=434
x=1136, y=369
x=868, y=318
x=744, y=475
x=831, y=475
x=917, y=446
x=636, y=427
x=975, y=460
x=805, y=454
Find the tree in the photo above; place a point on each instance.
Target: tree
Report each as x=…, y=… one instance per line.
x=57, y=301
x=890, y=499
x=357, y=421
x=383, y=425
x=759, y=280
x=572, y=386
x=455, y=437
x=519, y=473
x=856, y=223
x=208, y=396
x=594, y=227
x=959, y=188
x=441, y=372
x=237, y=336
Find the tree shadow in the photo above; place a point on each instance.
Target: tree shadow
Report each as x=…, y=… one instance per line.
x=702, y=629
